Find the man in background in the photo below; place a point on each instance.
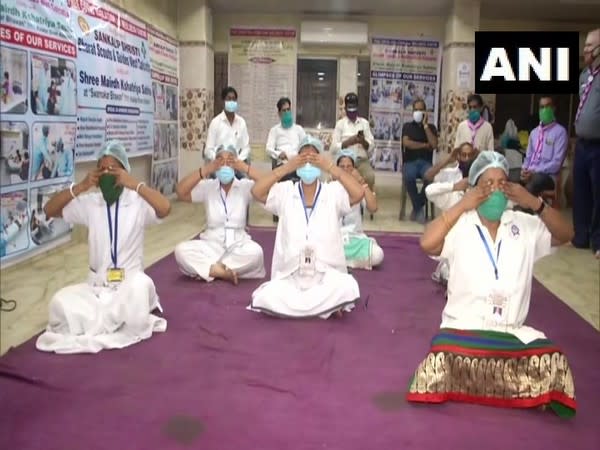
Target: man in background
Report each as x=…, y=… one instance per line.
x=475, y=129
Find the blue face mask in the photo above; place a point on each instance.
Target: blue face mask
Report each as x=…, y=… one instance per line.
x=225, y=174
x=231, y=106
x=309, y=173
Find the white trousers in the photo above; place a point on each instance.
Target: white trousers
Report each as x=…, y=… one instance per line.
x=195, y=258
x=290, y=297
x=87, y=319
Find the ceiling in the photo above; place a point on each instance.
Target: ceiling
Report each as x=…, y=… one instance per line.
x=558, y=10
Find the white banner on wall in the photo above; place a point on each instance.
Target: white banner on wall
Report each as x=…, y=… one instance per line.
x=76, y=73
x=38, y=123
x=262, y=69
x=402, y=70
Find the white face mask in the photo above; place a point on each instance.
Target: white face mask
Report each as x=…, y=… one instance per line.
x=418, y=116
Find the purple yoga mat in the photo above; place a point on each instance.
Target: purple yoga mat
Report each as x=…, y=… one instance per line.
x=223, y=378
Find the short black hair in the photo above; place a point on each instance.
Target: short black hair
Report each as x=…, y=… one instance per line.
x=475, y=98
x=282, y=101
x=228, y=90
x=419, y=100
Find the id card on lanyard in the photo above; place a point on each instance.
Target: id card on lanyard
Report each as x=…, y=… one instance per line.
x=229, y=229
x=114, y=274
x=497, y=300
x=307, y=266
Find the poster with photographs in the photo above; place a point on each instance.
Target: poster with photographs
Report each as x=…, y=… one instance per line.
x=164, y=176
x=164, y=57
x=402, y=71
x=38, y=124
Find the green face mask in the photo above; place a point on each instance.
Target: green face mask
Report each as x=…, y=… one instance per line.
x=494, y=206
x=546, y=115
x=286, y=119
x=110, y=191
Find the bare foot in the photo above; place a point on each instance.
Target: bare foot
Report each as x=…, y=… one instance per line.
x=230, y=275
x=597, y=254
x=220, y=270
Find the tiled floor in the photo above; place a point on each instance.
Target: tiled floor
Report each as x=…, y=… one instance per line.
x=573, y=275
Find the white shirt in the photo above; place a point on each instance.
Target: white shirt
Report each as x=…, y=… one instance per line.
x=441, y=192
x=134, y=214
x=210, y=193
x=524, y=239
x=352, y=223
x=285, y=140
x=221, y=132
x=484, y=137
x=323, y=230
x=345, y=128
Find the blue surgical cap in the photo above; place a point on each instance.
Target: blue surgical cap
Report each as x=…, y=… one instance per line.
x=487, y=159
x=116, y=149
x=348, y=153
x=311, y=141
x=226, y=148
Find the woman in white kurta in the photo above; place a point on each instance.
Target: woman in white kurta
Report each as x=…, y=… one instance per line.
x=309, y=277
x=224, y=250
x=113, y=309
x=448, y=180
x=362, y=251
x=492, y=251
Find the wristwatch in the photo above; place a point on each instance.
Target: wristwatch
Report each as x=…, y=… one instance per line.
x=541, y=208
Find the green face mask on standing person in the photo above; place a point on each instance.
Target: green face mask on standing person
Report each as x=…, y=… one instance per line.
x=546, y=115
x=494, y=206
x=110, y=191
x=287, y=120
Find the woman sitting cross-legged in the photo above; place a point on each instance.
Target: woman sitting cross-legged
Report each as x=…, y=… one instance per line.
x=113, y=309
x=224, y=250
x=484, y=352
x=362, y=252
x=309, y=277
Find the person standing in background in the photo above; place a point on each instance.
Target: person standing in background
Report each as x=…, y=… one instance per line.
x=354, y=133
x=586, y=164
x=228, y=128
x=475, y=129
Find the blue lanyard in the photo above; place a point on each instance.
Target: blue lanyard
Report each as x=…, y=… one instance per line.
x=113, y=242
x=489, y=251
x=306, y=214
x=224, y=201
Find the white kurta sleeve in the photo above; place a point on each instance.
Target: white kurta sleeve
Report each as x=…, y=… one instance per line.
x=150, y=217
x=198, y=194
x=462, y=134
x=301, y=134
x=77, y=210
x=246, y=186
x=336, y=140
x=272, y=150
x=540, y=237
x=342, y=199
x=451, y=240
x=244, y=151
x=277, y=197
x=442, y=195
x=211, y=140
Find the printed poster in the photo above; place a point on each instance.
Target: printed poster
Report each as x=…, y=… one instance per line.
x=402, y=71
x=262, y=69
x=38, y=108
x=114, y=78
x=164, y=57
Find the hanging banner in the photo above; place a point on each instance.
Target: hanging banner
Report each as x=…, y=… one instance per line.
x=164, y=56
x=402, y=71
x=114, y=77
x=262, y=69
x=37, y=123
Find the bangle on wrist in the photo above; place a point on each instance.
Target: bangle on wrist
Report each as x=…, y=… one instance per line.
x=138, y=187
x=541, y=208
x=71, y=190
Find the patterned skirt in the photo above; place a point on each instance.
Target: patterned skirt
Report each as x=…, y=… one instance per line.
x=495, y=369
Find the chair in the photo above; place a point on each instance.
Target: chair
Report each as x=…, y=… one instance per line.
x=553, y=196
x=429, y=207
